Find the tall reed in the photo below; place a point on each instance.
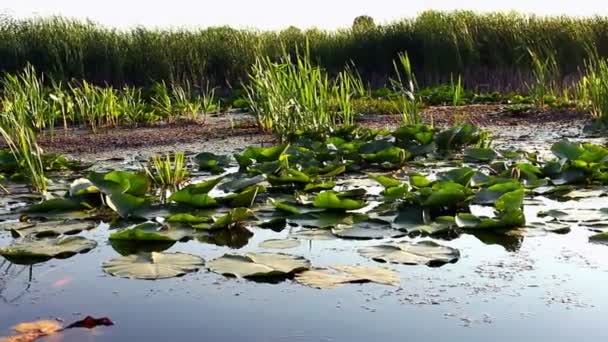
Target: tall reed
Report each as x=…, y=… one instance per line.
x=21, y=140
x=487, y=48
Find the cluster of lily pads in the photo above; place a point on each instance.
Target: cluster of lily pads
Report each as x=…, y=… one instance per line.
x=354, y=183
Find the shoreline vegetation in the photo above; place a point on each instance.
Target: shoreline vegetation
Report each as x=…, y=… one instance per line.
x=490, y=51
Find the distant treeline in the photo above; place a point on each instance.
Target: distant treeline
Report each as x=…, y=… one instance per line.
x=488, y=50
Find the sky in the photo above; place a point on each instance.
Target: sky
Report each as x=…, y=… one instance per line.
x=274, y=14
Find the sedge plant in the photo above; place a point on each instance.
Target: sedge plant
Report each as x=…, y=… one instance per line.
x=168, y=173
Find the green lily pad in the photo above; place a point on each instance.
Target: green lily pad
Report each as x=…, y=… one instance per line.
x=421, y=253
x=234, y=217
x=480, y=154
x=386, y=181
x=258, y=265
x=312, y=187
x=601, y=238
x=339, y=275
x=330, y=200
x=196, y=195
x=152, y=266
x=30, y=250
x=287, y=208
x=152, y=231
x=211, y=162
x=239, y=184
x=125, y=204
x=123, y=182
x=57, y=205
x=188, y=218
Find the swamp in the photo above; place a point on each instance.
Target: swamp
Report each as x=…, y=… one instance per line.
x=238, y=185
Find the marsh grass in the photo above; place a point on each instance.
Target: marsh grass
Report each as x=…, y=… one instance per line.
x=294, y=94
x=593, y=89
x=487, y=48
x=167, y=173
x=21, y=140
x=405, y=85
x=544, y=84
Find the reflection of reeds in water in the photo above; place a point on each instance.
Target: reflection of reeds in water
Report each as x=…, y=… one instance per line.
x=10, y=272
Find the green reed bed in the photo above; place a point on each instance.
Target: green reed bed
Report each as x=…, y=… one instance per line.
x=485, y=48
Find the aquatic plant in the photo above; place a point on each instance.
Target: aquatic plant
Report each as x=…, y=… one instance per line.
x=405, y=85
x=545, y=71
x=168, y=173
x=593, y=89
x=21, y=140
x=288, y=96
x=485, y=48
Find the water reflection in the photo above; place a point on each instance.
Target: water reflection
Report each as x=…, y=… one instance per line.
x=235, y=238
x=10, y=272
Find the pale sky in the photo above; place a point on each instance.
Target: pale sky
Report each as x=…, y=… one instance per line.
x=273, y=14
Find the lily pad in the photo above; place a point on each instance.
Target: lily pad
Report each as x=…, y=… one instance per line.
x=340, y=275
x=152, y=266
x=256, y=265
x=32, y=250
x=367, y=230
x=279, y=243
x=212, y=162
x=152, y=231
x=52, y=228
x=421, y=253
x=313, y=234
x=330, y=200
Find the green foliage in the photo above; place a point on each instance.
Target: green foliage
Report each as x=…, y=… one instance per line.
x=287, y=96
x=593, y=89
x=168, y=173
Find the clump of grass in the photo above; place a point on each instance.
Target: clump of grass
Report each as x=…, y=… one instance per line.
x=167, y=173
x=21, y=140
x=405, y=85
x=545, y=71
x=287, y=96
x=593, y=90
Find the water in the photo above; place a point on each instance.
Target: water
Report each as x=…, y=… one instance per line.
x=534, y=286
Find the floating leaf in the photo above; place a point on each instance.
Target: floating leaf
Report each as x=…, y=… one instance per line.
x=31, y=331
x=386, y=181
x=279, y=243
x=313, y=234
x=340, y=275
x=153, y=265
x=151, y=231
x=57, y=205
x=123, y=182
x=367, y=230
x=188, y=218
x=480, y=154
x=330, y=200
x=52, y=228
x=421, y=253
x=255, y=265
x=125, y=204
x=312, y=187
x=282, y=206
x=91, y=322
x=31, y=250
x=241, y=183
x=196, y=195
x=212, y=162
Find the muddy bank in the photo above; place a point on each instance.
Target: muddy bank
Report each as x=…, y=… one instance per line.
x=230, y=131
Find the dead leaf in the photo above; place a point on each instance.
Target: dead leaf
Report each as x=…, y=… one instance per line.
x=90, y=323
x=31, y=331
